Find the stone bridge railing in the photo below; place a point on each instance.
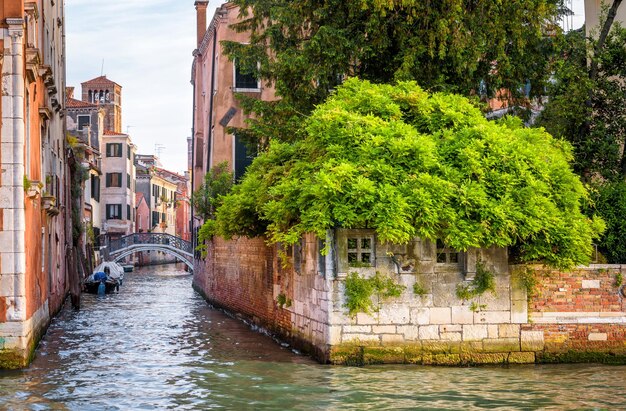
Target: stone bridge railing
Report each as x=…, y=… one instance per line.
x=151, y=238
x=147, y=241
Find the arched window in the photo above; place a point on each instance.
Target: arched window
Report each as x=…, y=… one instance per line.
x=107, y=96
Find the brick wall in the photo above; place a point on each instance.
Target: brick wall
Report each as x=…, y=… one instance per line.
x=246, y=277
x=581, y=313
x=589, y=289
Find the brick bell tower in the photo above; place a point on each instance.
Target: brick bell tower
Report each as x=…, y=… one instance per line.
x=107, y=94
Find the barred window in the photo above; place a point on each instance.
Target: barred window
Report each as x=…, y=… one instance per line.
x=447, y=255
x=360, y=251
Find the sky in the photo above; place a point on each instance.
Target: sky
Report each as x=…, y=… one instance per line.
x=146, y=48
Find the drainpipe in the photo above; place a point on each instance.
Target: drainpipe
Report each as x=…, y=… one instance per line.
x=16, y=32
x=211, y=103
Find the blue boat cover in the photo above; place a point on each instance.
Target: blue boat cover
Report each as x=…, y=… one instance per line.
x=99, y=276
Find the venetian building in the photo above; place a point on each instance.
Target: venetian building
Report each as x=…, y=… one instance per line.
x=34, y=195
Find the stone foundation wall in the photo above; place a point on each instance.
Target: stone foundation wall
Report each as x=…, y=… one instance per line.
x=299, y=294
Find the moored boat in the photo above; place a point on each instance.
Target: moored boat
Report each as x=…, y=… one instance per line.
x=108, y=274
x=92, y=284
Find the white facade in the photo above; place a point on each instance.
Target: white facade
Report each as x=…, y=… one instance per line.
x=117, y=194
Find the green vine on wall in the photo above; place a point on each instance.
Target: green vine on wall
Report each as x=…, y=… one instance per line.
x=360, y=290
x=483, y=281
x=283, y=301
x=619, y=280
x=419, y=289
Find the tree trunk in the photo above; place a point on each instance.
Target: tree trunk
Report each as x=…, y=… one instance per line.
x=606, y=28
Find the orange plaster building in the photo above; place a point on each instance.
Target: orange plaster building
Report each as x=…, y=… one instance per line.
x=34, y=197
x=217, y=81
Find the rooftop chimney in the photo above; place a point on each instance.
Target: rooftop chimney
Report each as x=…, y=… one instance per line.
x=201, y=6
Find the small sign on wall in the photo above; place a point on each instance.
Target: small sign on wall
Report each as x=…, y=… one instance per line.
x=228, y=116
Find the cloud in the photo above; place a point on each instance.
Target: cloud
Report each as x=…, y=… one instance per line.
x=146, y=46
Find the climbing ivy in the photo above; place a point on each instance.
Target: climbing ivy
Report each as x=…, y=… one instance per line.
x=360, y=290
x=483, y=281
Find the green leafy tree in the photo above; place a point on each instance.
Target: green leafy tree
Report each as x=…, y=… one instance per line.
x=407, y=163
x=587, y=109
x=217, y=182
x=610, y=203
x=306, y=48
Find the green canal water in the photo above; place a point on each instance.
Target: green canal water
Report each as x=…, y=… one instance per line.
x=158, y=345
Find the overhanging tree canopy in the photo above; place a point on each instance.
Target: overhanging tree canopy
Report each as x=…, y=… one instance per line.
x=305, y=48
x=407, y=163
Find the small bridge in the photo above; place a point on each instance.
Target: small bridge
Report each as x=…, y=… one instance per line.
x=138, y=242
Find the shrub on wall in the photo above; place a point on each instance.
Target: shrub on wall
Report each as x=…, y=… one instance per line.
x=411, y=164
x=360, y=292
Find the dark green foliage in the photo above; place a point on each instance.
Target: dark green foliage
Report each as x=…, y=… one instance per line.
x=217, y=183
x=610, y=202
x=410, y=164
x=283, y=301
x=483, y=281
x=589, y=112
x=305, y=49
x=360, y=290
x=419, y=290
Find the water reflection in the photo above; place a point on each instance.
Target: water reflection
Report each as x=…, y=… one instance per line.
x=157, y=345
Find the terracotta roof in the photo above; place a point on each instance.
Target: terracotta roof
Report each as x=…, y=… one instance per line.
x=164, y=171
x=102, y=80
x=114, y=133
x=73, y=103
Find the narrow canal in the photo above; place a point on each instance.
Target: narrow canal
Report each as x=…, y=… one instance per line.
x=157, y=345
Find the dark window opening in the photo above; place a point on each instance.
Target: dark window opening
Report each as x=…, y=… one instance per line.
x=245, y=80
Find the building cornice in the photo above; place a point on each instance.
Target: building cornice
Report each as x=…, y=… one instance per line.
x=14, y=21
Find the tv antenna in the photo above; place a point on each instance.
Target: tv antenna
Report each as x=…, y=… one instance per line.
x=157, y=149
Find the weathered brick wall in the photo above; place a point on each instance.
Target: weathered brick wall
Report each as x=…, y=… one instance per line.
x=246, y=277
x=581, y=313
x=589, y=289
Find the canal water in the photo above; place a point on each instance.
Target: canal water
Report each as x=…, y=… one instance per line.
x=158, y=345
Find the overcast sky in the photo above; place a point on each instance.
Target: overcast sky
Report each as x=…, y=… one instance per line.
x=146, y=46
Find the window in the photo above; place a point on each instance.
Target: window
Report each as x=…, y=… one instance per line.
x=130, y=217
x=360, y=251
x=245, y=81
x=114, y=149
x=447, y=255
x=243, y=157
x=114, y=179
x=155, y=218
x=95, y=187
x=114, y=211
x=83, y=121
x=128, y=153
x=128, y=181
